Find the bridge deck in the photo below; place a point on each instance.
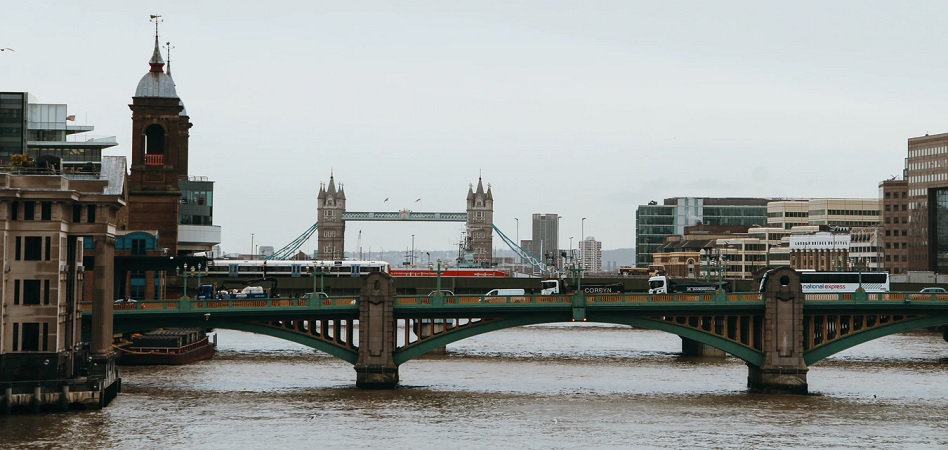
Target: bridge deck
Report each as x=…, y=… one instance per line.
x=420, y=305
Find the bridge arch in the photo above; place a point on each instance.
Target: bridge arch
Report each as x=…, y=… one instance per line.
x=740, y=351
x=824, y=351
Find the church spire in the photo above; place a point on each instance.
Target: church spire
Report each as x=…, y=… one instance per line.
x=156, y=62
x=168, y=47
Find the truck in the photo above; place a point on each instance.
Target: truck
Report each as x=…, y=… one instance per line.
x=662, y=284
x=207, y=292
x=560, y=286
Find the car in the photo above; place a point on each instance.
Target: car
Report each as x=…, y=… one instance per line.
x=444, y=292
x=934, y=290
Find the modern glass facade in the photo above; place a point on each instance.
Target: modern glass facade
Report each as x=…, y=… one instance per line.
x=13, y=107
x=938, y=224
x=197, y=201
x=654, y=222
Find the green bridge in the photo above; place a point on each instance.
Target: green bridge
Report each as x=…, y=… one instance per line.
x=778, y=333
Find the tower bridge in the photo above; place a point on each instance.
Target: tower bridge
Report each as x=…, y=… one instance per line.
x=332, y=216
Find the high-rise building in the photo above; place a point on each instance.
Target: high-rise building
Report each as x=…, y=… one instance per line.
x=590, y=251
x=654, y=222
x=926, y=170
x=546, y=231
x=895, y=224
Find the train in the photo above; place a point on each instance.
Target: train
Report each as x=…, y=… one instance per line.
x=259, y=268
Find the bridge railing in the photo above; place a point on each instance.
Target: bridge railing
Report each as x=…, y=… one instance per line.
x=341, y=302
x=876, y=297
x=619, y=298
x=189, y=304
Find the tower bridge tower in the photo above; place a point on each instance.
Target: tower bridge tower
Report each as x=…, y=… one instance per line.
x=480, y=220
x=330, y=206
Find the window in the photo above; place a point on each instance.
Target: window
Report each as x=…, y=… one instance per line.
x=19, y=247
x=76, y=213
x=34, y=248
x=31, y=337
x=14, y=210
x=31, y=292
x=29, y=210
x=46, y=292
x=47, y=210
x=48, y=248
x=90, y=213
x=138, y=247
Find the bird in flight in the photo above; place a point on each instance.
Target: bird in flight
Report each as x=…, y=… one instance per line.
x=7, y=48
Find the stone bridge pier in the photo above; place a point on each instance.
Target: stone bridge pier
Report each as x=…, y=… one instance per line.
x=783, y=369
x=376, y=368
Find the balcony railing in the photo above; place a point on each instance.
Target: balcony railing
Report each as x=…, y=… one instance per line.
x=155, y=160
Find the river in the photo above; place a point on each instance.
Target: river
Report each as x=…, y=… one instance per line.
x=551, y=386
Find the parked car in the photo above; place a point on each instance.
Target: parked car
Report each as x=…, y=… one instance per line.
x=934, y=290
x=444, y=292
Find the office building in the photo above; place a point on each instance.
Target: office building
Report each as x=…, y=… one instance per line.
x=654, y=222
x=926, y=170
x=546, y=230
x=48, y=216
x=590, y=252
x=48, y=135
x=895, y=225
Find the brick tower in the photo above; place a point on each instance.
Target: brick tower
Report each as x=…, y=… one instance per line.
x=160, y=131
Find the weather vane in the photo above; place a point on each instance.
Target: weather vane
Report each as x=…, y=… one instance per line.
x=156, y=18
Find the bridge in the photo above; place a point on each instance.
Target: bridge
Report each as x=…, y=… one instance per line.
x=779, y=333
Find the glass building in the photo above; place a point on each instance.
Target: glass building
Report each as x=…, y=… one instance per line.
x=654, y=222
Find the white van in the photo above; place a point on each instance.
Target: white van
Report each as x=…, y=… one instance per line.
x=514, y=295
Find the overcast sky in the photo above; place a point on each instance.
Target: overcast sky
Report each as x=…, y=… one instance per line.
x=582, y=109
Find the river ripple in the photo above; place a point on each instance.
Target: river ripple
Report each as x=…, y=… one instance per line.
x=551, y=386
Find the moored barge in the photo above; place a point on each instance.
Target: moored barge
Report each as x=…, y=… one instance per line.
x=167, y=346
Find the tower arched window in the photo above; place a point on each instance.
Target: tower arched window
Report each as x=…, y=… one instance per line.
x=154, y=145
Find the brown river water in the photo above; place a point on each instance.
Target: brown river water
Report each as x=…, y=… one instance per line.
x=552, y=386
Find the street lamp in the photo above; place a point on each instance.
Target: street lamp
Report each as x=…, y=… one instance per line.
x=412, y=257
x=582, y=237
x=439, y=296
x=251, y=247
x=859, y=264
x=194, y=273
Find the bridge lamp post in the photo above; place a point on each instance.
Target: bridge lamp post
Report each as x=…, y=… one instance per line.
x=185, y=274
x=322, y=272
x=438, y=294
x=200, y=273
